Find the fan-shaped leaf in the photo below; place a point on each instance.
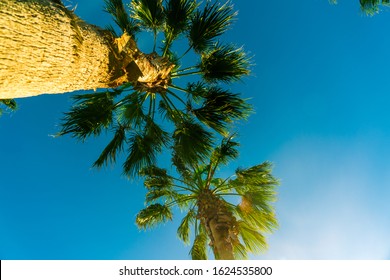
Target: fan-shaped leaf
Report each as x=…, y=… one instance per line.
x=254, y=241
x=90, y=114
x=183, y=230
x=153, y=215
x=116, y=145
x=148, y=13
x=199, y=250
x=177, y=14
x=224, y=63
x=221, y=107
x=191, y=142
x=208, y=23
x=121, y=17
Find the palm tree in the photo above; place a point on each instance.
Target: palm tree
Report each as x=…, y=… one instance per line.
x=192, y=96
x=231, y=230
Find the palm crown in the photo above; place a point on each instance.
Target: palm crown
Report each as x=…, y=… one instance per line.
x=196, y=108
x=231, y=230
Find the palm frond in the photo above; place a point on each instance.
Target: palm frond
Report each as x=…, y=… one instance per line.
x=121, y=17
x=253, y=240
x=153, y=171
x=371, y=7
x=144, y=148
x=158, y=182
x=9, y=103
x=191, y=142
x=239, y=251
x=90, y=114
x=254, y=177
x=226, y=151
x=255, y=217
x=183, y=231
x=148, y=13
x=208, y=23
x=131, y=112
x=224, y=63
x=221, y=107
x=153, y=215
x=110, y=151
x=199, y=248
x=177, y=16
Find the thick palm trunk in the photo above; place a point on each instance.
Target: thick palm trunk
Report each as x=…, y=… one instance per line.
x=220, y=225
x=45, y=48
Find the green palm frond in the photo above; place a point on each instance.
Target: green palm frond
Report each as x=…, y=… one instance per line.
x=191, y=142
x=148, y=13
x=90, y=115
x=153, y=171
x=131, y=111
x=226, y=151
x=177, y=16
x=253, y=177
x=116, y=145
x=153, y=215
x=121, y=17
x=144, y=148
x=9, y=103
x=220, y=107
x=158, y=182
x=240, y=252
x=199, y=248
x=253, y=240
x=209, y=23
x=371, y=7
x=257, y=218
x=224, y=63
x=183, y=231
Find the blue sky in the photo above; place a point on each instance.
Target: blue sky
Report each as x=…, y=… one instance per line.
x=321, y=93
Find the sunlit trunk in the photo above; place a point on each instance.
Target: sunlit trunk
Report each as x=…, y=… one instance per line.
x=220, y=225
x=47, y=49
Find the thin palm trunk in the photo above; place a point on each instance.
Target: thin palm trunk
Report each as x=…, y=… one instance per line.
x=46, y=49
x=220, y=225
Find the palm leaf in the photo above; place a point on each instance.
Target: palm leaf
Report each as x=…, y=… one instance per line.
x=9, y=103
x=183, y=231
x=225, y=152
x=153, y=171
x=121, y=17
x=253, y=240
x=224, y=63
x=148, y=13
x=220, y=107
x=212, y=21
x=191, y=142
x=258, y=219
x=116, y=145
x=90, y=114
x=199, y=248
x=144, y=148
x=240, y=252
x=177, y=16
x=254, y=177
x=131, y=111
x=153, y=215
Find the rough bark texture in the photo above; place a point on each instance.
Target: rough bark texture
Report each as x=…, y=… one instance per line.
x=220, y=225
x=45, y=48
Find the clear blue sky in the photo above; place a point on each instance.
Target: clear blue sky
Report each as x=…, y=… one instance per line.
x=321, y=91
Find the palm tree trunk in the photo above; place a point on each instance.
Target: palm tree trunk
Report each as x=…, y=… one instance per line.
x=47, y=49
x=220, y=225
